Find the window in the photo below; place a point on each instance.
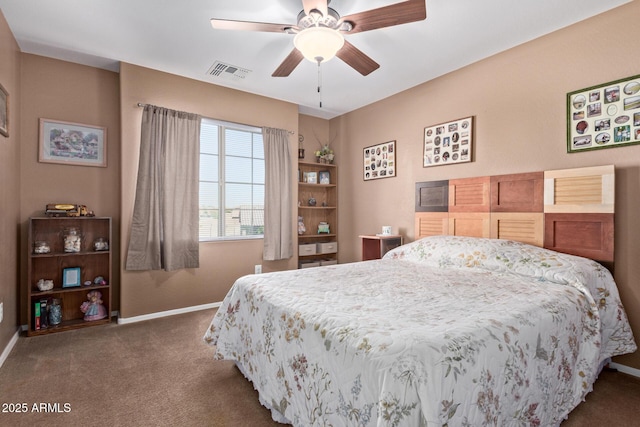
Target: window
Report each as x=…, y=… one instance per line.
x=231, y=181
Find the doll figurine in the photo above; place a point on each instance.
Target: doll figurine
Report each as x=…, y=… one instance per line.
x=93, y=308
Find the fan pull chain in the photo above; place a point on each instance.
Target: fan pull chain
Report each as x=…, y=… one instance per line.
x=320, y=82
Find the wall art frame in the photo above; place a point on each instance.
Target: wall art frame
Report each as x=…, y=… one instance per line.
x=72, y=143
x=604, y=116
x=4, y=111
x=379, y=161
x=448, y=143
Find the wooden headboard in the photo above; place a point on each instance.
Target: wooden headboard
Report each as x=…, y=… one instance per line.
x=569, y=210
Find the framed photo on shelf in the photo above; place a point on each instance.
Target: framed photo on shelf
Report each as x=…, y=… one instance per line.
x=4, y=111
x=379, y=161
x=71, y=277
x=72, y=143
x=448, y=143
x=310, y=177
x=324, y=177
x=604, y=116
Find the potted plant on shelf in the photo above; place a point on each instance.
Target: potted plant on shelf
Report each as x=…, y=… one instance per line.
x=324, y=154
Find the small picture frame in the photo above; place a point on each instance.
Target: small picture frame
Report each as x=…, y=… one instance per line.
x=324, y=177
x=72, y=143
x=71, y=277
x=311, y=177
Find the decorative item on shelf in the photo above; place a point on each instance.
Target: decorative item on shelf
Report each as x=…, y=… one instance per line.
x=87, y=283
x=44, y=313
x=67, y=209
x=386, y=230
x=310, y=177
x=41, y=247
x=55, y=312
x=93, y=308
x=324, y=177
x=323, y=228
x=45, y=285
x=99, y=280
x=300, y=147
x=301, y=228
x=312, y=201
x=72, y=240
x=71, y=277
x=324, y=154
x=101, y=244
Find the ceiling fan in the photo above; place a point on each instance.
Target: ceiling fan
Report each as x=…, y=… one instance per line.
x=319, y=32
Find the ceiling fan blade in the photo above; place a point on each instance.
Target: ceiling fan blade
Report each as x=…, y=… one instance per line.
x=388, y=16
x=227, y=24
x=355, y=58
x=309, y=5
x=289, y=64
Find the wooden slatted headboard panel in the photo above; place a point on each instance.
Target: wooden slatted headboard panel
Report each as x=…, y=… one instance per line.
x=585, y=190
x=568, y=210
x=579, y=209
x=527, y=227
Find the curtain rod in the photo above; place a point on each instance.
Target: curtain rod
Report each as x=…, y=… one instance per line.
x=144, y=105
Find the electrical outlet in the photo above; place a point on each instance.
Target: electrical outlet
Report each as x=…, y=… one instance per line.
x=258, y=269
x=1, y=311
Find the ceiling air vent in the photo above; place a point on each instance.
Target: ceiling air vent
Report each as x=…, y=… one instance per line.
x=228, y=72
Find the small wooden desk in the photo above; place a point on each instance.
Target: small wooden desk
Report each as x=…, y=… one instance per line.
x=375, y=246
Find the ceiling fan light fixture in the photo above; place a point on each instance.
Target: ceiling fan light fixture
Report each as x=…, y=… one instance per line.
x=318, y=44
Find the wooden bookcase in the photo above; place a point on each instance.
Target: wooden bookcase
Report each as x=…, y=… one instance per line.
x=325, y=210
x=50, y=266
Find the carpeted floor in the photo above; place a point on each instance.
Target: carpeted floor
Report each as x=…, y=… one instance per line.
x=160, y=373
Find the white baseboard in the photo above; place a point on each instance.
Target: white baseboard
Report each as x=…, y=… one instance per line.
x=9, y=347
x=125, y=320
x=625, y=369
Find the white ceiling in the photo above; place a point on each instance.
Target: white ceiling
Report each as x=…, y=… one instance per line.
x=175, y=36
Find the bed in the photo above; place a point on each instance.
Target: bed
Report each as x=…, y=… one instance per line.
x=446, y=330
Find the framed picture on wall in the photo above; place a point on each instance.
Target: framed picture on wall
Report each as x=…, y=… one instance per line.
x=379, y=161
x=4, y=111
x=604, y=116
x=448, y=143
x=72, y=143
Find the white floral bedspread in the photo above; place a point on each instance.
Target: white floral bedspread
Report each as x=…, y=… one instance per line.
x=445, y=331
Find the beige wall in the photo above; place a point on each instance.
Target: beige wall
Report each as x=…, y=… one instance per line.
x=316, y=133
x=60, y=90
x=518, y=99
x=10, y=186
x=221, y=263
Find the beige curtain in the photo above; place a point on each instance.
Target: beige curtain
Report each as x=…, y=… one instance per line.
x=164, y=230
x=278, y=240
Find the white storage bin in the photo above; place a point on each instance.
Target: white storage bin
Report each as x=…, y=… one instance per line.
x=328, y=262
x=327, y=248
x=309, y=264
x=307, y=249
